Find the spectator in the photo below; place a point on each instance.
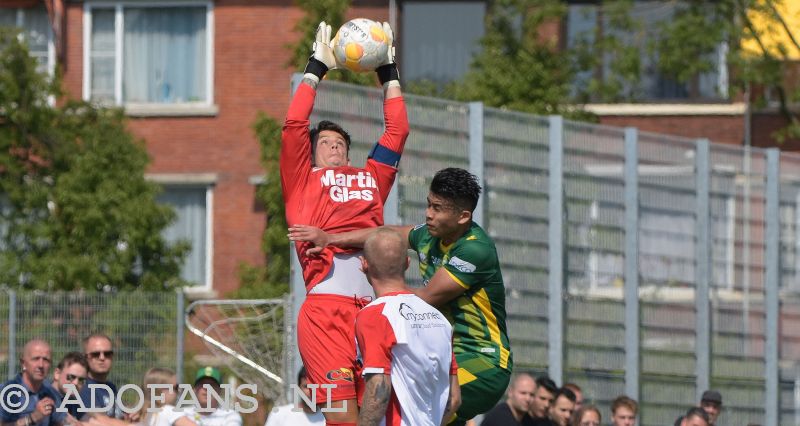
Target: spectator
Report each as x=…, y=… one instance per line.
x=542, y=399
x=160, y=387
x=210, y=413
x=588, y=415
x=578, y=394
x=514, y=410
x=562, y=408
x=623, y=411
x=42, y=399
x=711, y=402
x=71, y=370
x=299, y=414
x=696, y=416
x=100, y=356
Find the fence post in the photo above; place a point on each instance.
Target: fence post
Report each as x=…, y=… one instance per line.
x=12, y=334
x=179, y=323
x=703, y=270
x=555, y=301
x=772, y=288
x=476, y=155
x=297, y=286
x=632, y=358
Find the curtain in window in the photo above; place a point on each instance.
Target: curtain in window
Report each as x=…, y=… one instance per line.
x=164, y=55
x=189, y=204
x=102, y=55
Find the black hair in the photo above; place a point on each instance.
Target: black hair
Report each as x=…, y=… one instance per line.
x=697, y=412
x=301, y=375
x=73, y=358
x=458, y=186
x=566, y=393
x=549, y=384
x=327, y=125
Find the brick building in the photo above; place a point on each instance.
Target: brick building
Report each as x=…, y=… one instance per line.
x=193, y=74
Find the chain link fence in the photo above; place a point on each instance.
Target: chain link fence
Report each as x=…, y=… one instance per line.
x=579, y=210
x=144, y=328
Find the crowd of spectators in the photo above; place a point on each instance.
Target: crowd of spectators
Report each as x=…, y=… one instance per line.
x=79, y=392
x=541, y=402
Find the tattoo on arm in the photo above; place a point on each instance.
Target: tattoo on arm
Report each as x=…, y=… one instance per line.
x=310, y=82
x=377, y=393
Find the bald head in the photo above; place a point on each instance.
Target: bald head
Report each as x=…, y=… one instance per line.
x=36, y=362
x=385, y=253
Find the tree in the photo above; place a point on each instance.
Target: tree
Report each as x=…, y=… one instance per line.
x=271, y=280
x=76, y=209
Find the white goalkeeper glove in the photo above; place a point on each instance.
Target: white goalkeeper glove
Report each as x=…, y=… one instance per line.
x=322, y=59
x=387, y=71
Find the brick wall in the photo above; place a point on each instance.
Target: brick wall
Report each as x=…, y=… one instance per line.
x=250, y=75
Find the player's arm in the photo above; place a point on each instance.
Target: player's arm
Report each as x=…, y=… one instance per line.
x=384, y=157
x=453, y=399
x=295, y=159
x=321, y=239
x=442, y=288
x=377, y=393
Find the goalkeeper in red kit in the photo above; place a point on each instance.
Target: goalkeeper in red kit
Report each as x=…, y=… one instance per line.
x=321, y=188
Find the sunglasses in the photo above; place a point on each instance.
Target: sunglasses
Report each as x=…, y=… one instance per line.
x=72, y=378
x=96, y=354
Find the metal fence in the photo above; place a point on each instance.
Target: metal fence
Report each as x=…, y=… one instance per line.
x=636, y=263
x=146, y=328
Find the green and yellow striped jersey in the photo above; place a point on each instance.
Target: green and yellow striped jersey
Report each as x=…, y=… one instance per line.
x=479, y=314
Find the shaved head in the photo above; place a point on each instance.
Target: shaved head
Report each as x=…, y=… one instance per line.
x=386, y=255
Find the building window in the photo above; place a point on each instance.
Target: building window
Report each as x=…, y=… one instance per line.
x=36, y=30
x=192, y=204
x=585, y=19
x=148, y=53
x=437, y=44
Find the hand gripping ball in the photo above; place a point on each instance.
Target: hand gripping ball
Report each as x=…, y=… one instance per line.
x=360, y=45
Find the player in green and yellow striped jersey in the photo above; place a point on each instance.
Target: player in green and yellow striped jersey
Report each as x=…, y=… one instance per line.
x=460, y=268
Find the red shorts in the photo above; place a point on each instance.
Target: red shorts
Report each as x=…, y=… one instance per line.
x=327, y=343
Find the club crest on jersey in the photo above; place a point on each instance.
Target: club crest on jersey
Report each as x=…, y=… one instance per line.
x=345, y=187
x=340, y=374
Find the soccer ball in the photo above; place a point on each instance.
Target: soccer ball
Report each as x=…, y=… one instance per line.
x=360, y=45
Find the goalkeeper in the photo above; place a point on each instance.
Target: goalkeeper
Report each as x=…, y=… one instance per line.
x=459, y=266
x=321, y=188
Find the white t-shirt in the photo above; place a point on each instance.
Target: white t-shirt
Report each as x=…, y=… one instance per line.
x=401, y=335
x=166, y=416
x=219, y=417
x=285, y=416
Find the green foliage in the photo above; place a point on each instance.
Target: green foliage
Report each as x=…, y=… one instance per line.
x=333, y=13
x=272, y=280
x=77, y=211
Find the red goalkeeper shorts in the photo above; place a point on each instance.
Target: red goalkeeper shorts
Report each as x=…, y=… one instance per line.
x=327, y=343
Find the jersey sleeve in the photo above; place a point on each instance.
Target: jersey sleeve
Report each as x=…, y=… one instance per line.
x=376, y=339
x=295, y=157
x=384, y=157
x=471, y=263
x=415, y=236
x=453, y=363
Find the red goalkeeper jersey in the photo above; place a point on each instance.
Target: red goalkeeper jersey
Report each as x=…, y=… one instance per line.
x=335, y=199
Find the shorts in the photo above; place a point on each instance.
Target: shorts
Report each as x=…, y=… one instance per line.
x=482, y=383
x=327, y=344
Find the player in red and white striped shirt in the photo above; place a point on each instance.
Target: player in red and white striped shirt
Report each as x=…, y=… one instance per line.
x=404, y=343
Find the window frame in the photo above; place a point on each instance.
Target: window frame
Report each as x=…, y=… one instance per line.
x=205, y=107
x=51, y=46
x=196, y=180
